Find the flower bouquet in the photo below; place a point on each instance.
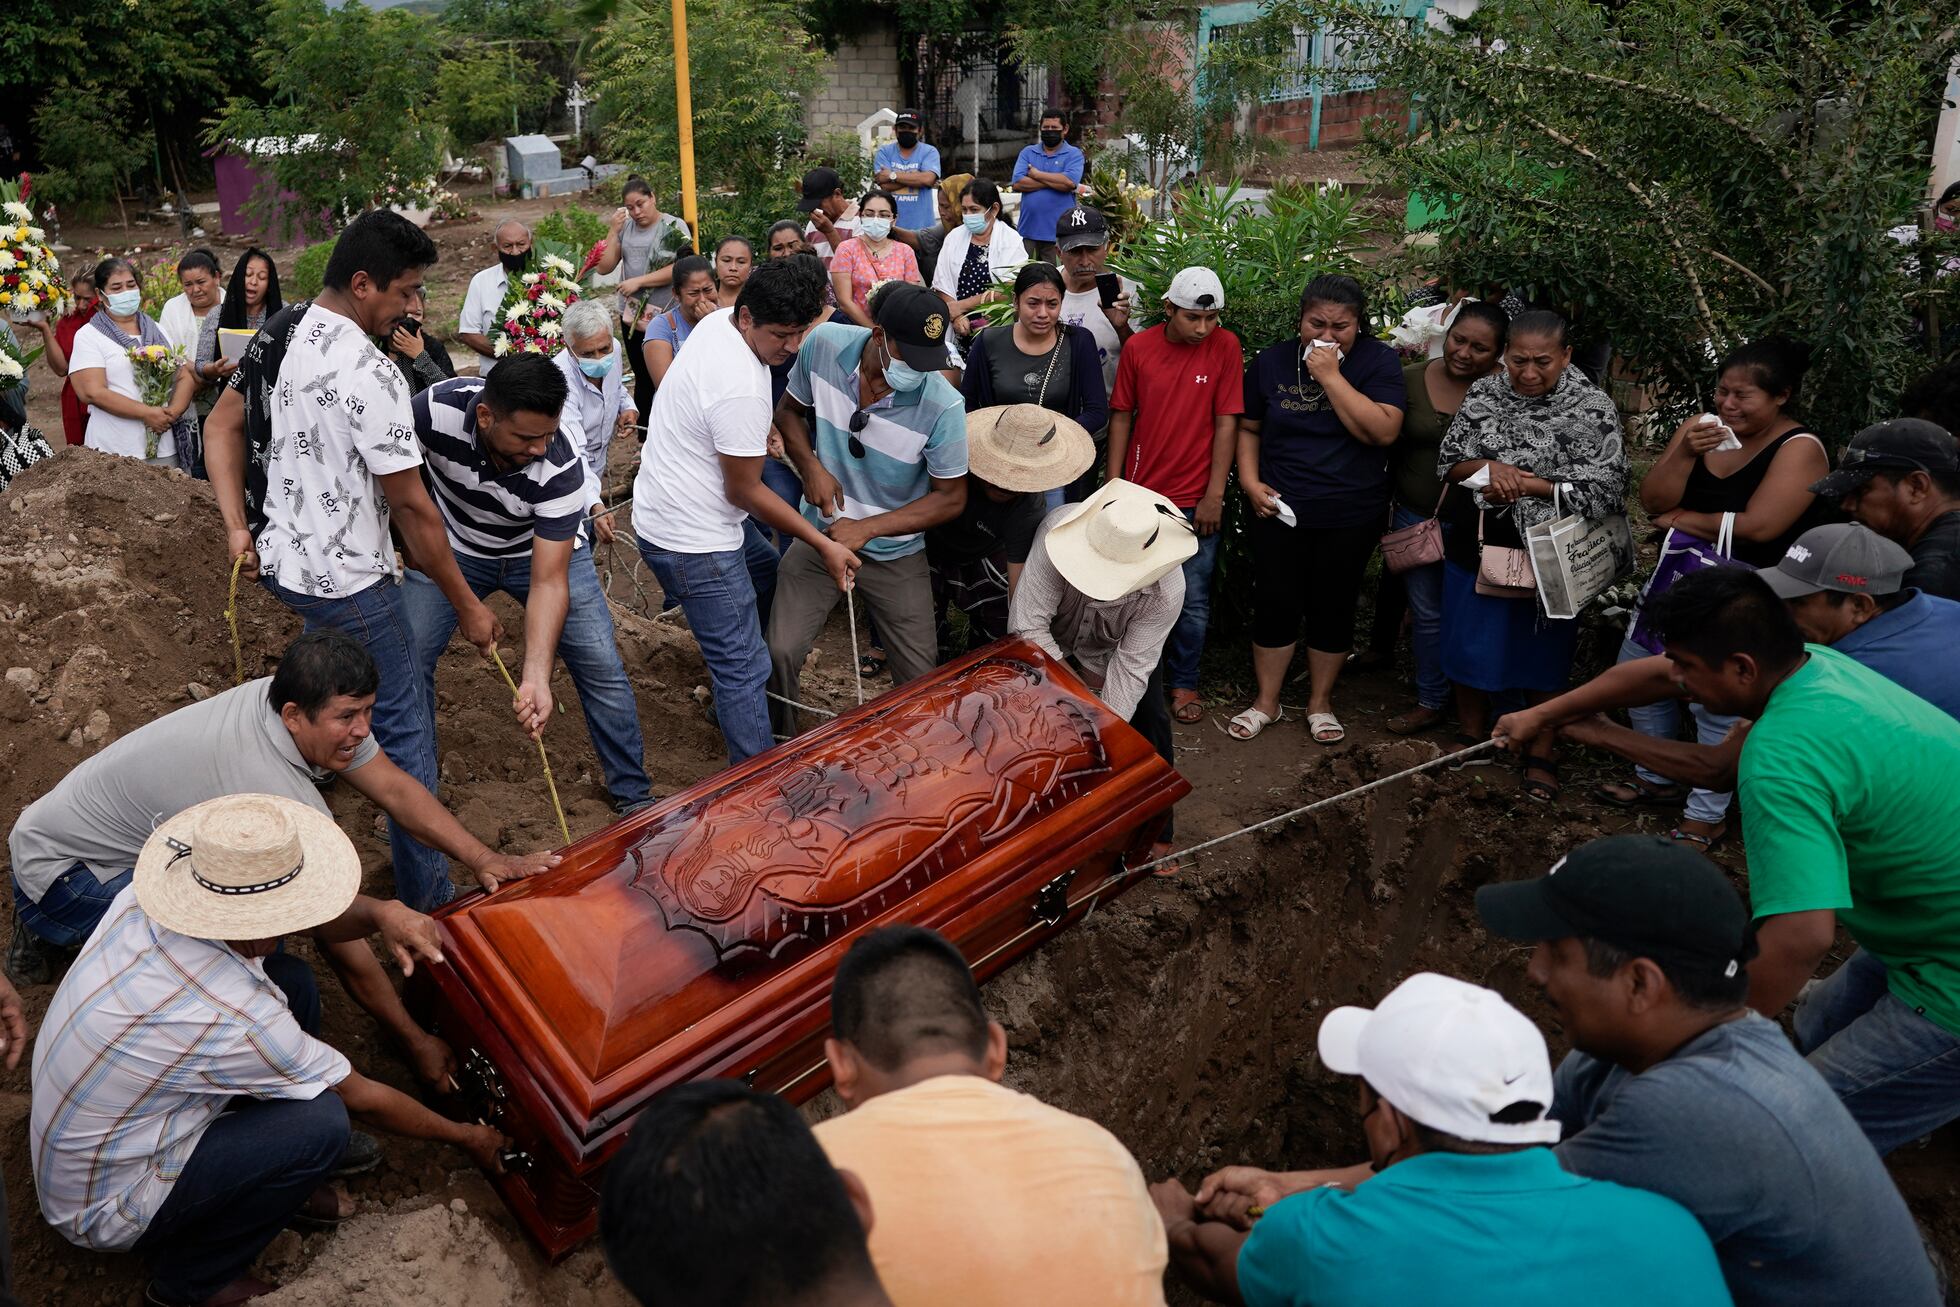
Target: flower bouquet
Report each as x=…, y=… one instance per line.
x=534, y=307
x=30, y=275
x=13, y=365
x=156, y=368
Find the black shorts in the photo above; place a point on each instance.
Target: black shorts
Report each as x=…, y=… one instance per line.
x=1309, y=574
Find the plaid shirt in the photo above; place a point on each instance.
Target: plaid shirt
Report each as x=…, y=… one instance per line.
x=148, y=1039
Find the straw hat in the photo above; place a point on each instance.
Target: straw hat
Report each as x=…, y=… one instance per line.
x=1119, y=540
x=246, y=866
x=1027, y=447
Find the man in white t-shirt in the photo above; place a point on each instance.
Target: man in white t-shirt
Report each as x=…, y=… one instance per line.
x=342, y=464
x=1097, y=299
x=478, y=320
x=701, y=478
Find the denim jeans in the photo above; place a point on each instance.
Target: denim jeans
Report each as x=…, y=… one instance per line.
x=1187, y=640
x=587, y=646
x=251, y=1171
x=781, y=478
x=67, y=914
x=1897, y=1072
x=403, y=724
x=1662, y=721
x=1424, y=588
x=717, y=593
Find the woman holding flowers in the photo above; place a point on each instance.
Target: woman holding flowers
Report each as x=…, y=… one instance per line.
x=136, y=385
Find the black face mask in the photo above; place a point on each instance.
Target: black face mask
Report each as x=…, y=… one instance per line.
x=906, y=140
x=514, y=263
x=1051, y=139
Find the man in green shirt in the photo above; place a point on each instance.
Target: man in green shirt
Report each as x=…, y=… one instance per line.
x=1850, y=789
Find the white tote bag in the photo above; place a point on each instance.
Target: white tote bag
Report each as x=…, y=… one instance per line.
x=1576, y=558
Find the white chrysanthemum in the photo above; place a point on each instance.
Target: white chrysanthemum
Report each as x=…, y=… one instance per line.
x=6, y=259
x=557, y=264
x=533, y=278
x=502, y=347
x=551, y=302
x=8, y=367
x=17, y=211
x=550, y=329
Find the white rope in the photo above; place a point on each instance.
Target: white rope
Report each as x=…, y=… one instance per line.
x=800, y=707
x=850, y=606
x=1441, y=761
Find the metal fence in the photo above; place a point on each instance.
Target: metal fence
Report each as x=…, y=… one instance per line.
x=1316, y=52
x=971, y=92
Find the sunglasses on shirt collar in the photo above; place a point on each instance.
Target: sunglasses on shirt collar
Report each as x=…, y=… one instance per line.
x=859, y=421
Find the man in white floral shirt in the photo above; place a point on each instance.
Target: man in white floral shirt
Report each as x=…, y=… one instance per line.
x=343, y=454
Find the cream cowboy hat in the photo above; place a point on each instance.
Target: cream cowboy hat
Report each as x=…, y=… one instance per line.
x=1119, y=540
x=246, y=866
x=1026, y=447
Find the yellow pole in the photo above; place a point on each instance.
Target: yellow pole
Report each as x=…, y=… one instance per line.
x=684, y=108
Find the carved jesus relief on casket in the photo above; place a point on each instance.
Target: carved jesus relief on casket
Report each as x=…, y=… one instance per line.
x=858, y=823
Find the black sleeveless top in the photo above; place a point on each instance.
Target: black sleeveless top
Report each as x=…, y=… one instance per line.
x=1708, y=493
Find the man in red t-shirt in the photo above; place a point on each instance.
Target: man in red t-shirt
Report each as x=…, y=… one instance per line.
x=1173, y=426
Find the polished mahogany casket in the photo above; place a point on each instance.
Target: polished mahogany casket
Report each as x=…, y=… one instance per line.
x=994, y=801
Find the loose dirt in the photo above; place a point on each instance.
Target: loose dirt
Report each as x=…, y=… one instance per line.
x=1182, y=1016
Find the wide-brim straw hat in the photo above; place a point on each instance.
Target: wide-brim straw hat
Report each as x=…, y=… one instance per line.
x=1120, y=540
x=1025, y=447
x=246, y=867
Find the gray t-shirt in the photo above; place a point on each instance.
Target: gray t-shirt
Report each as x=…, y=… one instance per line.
x=103, y=811
x=1738, y=1129
x=1028, y=378
x=644, y=249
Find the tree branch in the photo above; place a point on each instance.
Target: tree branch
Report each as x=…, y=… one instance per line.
x=1768, y=289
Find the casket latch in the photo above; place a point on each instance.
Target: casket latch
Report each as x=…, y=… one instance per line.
x=514, y=1160
x=1051, y=900
x=483, y=1086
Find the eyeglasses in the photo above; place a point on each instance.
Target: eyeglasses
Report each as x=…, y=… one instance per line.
x=859, y=421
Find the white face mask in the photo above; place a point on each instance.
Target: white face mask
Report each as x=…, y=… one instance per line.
x=122, y=303
x=876, y=228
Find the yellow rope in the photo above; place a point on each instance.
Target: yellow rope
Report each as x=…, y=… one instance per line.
x=231, y=619
x=550, y=784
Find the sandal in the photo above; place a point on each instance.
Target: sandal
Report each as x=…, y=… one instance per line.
x=1175, y=866
x=1415, y=721
x=1707, y=843
x=1325, y=728
x=1638, y=793
x=1464, y=740
x=1186, y=708
x=1248, y=724
x=1546, y=788
x=871, y=662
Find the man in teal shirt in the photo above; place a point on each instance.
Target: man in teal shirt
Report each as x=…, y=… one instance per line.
x=1464, y=1202
x=1851, y=798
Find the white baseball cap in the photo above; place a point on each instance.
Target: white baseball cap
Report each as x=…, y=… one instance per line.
x=1196, y=288
x=1449, y=1055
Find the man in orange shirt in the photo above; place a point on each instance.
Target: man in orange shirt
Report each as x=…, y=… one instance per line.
x=984, y=1195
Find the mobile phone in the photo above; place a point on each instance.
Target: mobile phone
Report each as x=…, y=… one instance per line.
x=1109, y=286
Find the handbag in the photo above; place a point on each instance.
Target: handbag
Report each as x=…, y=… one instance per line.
x=1417, y=545
x=1681, y=554
x=1503, y=572
x=20, y=449
x=1575, y=559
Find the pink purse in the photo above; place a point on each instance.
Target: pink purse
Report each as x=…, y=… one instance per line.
x=1416, y=545
x=1503, y=572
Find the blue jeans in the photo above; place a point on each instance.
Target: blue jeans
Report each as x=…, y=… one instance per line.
x=1897, y=1072
x=1187, y=640
x=404, y=727
x=781, y=478
x=251, y=1171
x=1424, y=587
x=717, y=593
x=67, y=914
x=1662, y=721
x=587, y=645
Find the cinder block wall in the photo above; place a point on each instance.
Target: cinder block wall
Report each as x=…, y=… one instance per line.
x=863, y=77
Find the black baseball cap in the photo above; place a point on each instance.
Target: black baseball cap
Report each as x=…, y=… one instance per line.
x=1652, y=896
x=906, y=118
x=1080, y=228
x=915, y=322
x=1896, y=445
x=819, y=184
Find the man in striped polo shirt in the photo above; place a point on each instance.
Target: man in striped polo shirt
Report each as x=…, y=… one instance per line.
x=879, y=438
x=511, y=489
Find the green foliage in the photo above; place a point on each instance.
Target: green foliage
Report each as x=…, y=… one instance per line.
x=89, y=146
x=569, y=228
x=1678, y=176
x=1262, y=258
x=507, y=20
x=480, y=88
x=307, y=274
x=359, y=83
x=160, y=284
x=751, y=67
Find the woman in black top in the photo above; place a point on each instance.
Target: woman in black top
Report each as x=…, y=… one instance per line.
x=1037, y=358
x=1766, y=484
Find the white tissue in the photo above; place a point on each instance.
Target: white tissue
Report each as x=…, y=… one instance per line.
x=1312, y=345
x=1284, y=512
x=1479, y=479
x=1729, y=439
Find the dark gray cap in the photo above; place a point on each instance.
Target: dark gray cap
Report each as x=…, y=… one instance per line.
x=1843, y=556
x=1900, y=445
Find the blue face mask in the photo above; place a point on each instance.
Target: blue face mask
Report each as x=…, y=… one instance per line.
x=595, y=368
x=974, y=222
x=122, y=303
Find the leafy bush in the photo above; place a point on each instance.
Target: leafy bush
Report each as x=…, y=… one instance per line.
x=304, y=279
x=571, y=227
x=92, y=142
x=479, y=89
x=159, y=281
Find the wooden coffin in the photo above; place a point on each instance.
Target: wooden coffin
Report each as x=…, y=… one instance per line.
x=995, y=801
